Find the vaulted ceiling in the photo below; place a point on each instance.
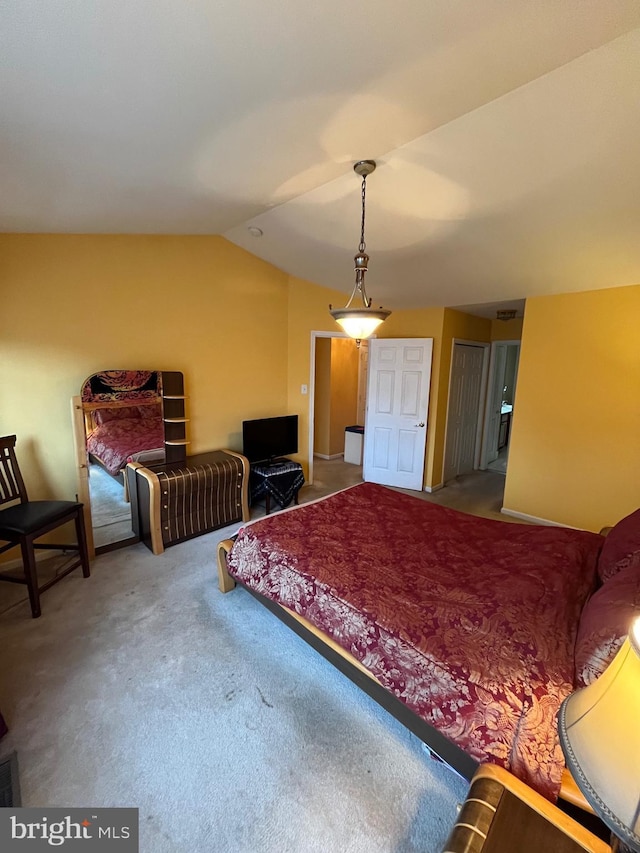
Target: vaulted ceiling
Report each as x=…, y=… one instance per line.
x=505, y=133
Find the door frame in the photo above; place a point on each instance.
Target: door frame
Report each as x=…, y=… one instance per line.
x=486, y=346
x=312, y=389
x=484, y=450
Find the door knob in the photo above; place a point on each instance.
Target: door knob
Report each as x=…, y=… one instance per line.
x=421, y=424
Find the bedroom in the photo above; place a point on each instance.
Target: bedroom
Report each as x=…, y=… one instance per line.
x=574, y=454
x=576, y=330
x=238, y=327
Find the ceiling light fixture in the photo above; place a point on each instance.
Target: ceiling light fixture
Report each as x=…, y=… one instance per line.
x=505, y=315
x=360, y=322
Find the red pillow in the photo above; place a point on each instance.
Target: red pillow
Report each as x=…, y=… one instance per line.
x=151, y=411
x=605, y=623
x=103, y=416
x=621, y=547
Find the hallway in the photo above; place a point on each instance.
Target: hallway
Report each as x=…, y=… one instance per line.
x=478, y=493
x=500, y=464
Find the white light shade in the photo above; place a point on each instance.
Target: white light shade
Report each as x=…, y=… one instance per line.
x=599, y=730
x=359, y=323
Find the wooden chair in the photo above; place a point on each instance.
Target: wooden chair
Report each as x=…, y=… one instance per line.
x=24, y=522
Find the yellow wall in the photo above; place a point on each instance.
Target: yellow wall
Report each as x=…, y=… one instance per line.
x=322, y=405
x=336, y=392
x=73, y=305
x=506, y=330
x=344, y=390
x=574, y=454
x=240, y=331
x=308, y=311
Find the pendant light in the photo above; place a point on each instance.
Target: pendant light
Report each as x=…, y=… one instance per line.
x=360, y=322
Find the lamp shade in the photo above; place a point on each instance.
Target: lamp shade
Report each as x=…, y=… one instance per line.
x=599, y=729
x=359, y=323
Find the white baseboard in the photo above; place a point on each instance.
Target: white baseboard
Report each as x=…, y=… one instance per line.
x=534, y=519
x=432, y=489
x=328, y=458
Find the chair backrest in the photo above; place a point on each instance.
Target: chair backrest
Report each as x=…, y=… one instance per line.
x=12, y=486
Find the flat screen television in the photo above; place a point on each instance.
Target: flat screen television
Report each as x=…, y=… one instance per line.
x=265, y=439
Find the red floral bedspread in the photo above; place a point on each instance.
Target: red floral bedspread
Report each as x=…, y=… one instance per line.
x=113, y=442
x=470, y=621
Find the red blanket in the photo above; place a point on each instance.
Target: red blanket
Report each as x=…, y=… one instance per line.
x=469, y=621
x=114, y=442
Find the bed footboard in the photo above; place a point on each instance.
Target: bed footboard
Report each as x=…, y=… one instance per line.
x=225, y=582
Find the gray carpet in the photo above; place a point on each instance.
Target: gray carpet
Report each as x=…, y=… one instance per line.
x=144, y=686
x=110, y=513
x=500, y=464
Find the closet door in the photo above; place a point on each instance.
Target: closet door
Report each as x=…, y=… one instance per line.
x=464, y=410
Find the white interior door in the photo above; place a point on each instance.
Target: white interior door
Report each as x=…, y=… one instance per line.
x=464, y=409
x=397, y=405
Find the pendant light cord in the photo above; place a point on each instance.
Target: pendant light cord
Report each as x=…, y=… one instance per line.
x=363, y=245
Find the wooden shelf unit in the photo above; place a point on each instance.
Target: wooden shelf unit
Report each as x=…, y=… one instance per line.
x=173, y=415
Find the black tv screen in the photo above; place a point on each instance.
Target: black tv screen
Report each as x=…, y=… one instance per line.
x=264, y=439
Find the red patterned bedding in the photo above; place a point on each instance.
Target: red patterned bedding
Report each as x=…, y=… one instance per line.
x=123, y=432
x=469, y=621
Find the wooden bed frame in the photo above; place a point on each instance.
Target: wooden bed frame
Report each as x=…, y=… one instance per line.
x=436, y=743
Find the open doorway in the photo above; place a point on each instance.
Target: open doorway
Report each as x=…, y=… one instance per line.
x=499, y=411
x=337, y=397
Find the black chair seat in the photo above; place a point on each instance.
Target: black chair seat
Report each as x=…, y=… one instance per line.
x=23, y=519
x=24, y=522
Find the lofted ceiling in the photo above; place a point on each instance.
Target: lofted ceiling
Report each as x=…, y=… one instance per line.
x=505, y=133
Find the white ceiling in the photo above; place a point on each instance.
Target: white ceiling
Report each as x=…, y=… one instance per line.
x=506, y=135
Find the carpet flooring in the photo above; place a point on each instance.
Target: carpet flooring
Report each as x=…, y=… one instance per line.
x=110, y=513
x=500, y=464
x=144, y=686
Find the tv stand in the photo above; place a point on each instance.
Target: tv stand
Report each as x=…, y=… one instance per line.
x=270, y=463
x=279, y=478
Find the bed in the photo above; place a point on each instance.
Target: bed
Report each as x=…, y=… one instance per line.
x=123, y=418
x=471, y=630
x=126, y=434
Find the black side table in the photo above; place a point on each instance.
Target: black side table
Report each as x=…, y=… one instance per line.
x=280, y=479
